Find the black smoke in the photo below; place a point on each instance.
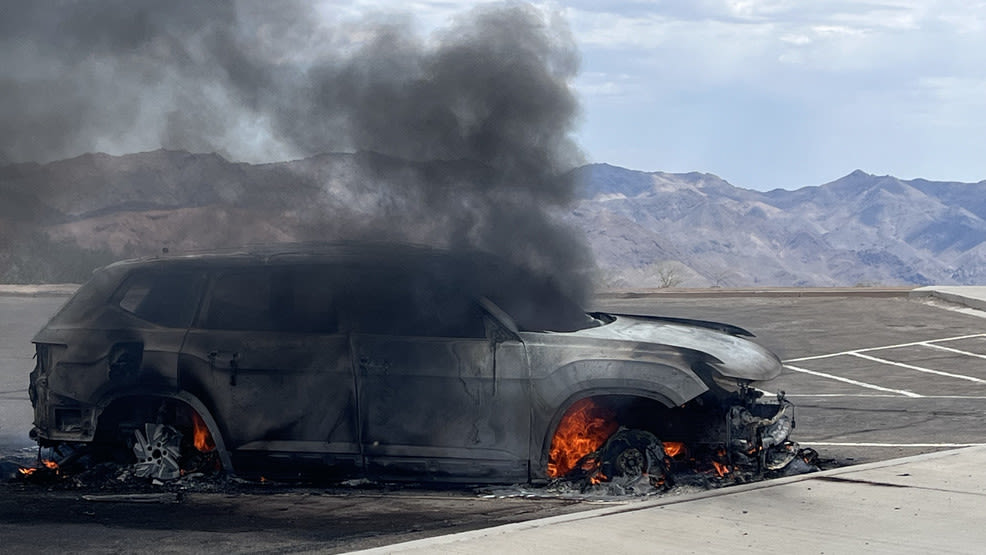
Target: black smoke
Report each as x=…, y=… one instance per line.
x=465, y=132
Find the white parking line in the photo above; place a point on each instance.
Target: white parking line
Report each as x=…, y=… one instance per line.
x=912, y=344
x=951, y=350
x=933, y=343
x=879, y=395
x=919, y=368
x=867, y=395
x=899, y=345
x=838, y=444
x=853, y=382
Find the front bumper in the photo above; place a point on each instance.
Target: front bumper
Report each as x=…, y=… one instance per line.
x=758, y=433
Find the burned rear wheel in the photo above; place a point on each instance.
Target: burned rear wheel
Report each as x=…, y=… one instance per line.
x=158, y=448
x=161, y=439
x=165, y=452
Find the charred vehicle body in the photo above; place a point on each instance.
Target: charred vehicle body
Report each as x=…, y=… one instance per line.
x=391, y=362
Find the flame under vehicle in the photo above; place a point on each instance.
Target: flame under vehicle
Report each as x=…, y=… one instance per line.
x=390, y=362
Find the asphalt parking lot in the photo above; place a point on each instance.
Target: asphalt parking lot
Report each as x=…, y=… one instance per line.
x=874, y=378
x=20, y=318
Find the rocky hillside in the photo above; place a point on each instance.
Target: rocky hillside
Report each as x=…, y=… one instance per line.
x=58, y=220
x=858, y=230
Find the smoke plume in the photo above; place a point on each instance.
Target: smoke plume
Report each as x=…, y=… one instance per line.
x=466, y=131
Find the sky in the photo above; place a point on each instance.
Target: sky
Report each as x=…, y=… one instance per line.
x=763, y=93
x=779, y=93
x=785, y=93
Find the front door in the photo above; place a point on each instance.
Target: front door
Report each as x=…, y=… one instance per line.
x=439, y=398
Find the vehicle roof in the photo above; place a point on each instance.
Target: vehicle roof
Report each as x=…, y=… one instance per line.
x=533, y=300
x=342, y=251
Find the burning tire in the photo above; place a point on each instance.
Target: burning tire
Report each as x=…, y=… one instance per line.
x=629, y=455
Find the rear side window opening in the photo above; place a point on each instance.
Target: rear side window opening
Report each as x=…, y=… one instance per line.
x=168, y=298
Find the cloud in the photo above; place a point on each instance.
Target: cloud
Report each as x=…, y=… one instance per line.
x=646, y=63
x=669, y=84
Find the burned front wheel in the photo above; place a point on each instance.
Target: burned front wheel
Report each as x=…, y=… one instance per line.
x=630, y=455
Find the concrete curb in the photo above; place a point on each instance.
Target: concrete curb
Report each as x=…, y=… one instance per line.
x=435, y=543
x=757, y=292
x=970, y=296
x=45, y=290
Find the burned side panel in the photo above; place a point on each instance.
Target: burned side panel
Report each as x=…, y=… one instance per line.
x=443, y=408
x=120, y=334
x=727, y=348
x=279, y=398
x=76, y=380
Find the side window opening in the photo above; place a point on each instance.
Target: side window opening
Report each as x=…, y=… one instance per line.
x=306, y=299
x=292, y=299
x=412, y=304
x=241, y=300
x=331, y=299
x=164, y=298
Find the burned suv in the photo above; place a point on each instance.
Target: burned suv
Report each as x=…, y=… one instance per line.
x=388, y=362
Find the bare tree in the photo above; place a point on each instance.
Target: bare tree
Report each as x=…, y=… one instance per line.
x=669, y=276
x=719, y=277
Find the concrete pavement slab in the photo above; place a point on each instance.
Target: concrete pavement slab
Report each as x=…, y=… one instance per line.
x=927, y=503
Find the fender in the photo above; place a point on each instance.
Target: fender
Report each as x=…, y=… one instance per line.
x=670, y=384
x=718, y=326
x=192, y=402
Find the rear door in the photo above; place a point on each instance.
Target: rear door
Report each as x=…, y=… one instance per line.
x=267, y=357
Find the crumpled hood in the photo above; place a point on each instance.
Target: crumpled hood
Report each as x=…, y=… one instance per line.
x=736, y=356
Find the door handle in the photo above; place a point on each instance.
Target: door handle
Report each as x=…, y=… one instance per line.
x=367, y=363
x=230, y=359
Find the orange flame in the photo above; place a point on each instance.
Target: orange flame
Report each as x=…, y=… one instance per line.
x=50, y=465
x=673, y=448
x=584, y=428
x=721, y=469
x=201, y=437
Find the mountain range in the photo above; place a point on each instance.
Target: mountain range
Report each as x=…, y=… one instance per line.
x=645, y=229
x=860, y=229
